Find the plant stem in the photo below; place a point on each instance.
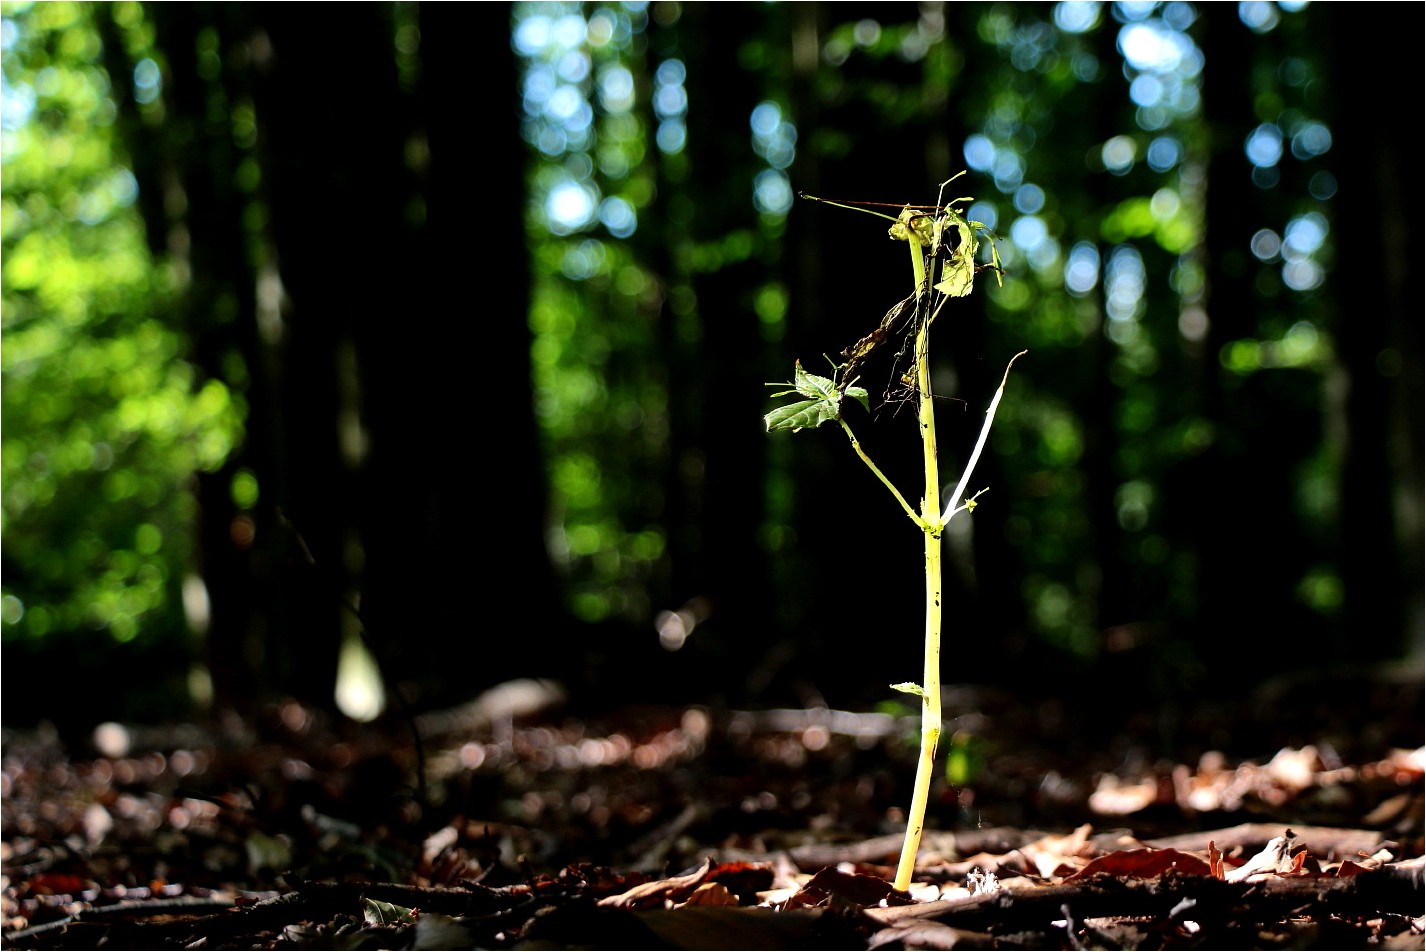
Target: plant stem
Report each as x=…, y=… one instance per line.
x=879, y=474
x=918, y=229
x=931, y=524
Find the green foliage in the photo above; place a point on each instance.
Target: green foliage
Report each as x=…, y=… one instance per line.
x=600, y=403
x=1158, y=340
x=105, y=423
x=965, y=759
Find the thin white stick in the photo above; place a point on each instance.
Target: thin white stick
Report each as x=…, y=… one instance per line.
x=955, y=505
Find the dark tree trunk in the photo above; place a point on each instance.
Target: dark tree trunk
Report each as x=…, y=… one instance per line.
x=194, y=212
x=373, y=286
x=1243, y=567
x=459, y=583
x=332, y=137
x=716, y=374
x=1378, y=328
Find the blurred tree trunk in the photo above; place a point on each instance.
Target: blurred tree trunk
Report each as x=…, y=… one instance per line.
x=456, y=486
x=1238, y=581
x=336, y=236
x=1378, y=328
x=197, y=218
x=332, y=131
x=717, y=366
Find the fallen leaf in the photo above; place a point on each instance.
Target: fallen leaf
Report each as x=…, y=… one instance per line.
x=1144, y=863
x=653, y=895
x=1215, y=861
x=1114, y=797
x=1058, y=855
x=711, y=894
x=851, y=888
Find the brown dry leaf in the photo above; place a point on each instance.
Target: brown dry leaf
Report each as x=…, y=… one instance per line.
x=1389, y=809
x=711, y=894
x=1013, y=862
x=654, y=895
x=851, y=888
x=1376, y=860
x=1144, y=863
x=1349, y=868
x=785, y=874
x=1405, y=766
x=1059, y=855
x=1215, y=861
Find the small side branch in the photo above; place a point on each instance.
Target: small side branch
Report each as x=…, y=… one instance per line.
x=879, y=474
x=955, y=505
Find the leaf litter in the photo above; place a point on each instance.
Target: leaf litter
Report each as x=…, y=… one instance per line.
x=689, y=828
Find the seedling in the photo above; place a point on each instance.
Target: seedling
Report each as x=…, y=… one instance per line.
x=943, y=245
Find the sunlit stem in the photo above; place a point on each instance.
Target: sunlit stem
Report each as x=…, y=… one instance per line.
x=915, y=516
x=931, y=524
x=932, y=518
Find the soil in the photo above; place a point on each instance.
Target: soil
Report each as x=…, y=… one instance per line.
x=535, y=826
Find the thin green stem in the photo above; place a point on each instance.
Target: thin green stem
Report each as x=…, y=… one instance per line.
x=918, y=230
x=915, y=517
x=931, y=525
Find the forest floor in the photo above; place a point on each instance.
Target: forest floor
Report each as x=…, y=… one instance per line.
x=706, y=828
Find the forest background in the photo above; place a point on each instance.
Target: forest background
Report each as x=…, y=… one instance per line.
x=462, y=314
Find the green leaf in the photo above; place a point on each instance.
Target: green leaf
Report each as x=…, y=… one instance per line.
x=824, y=404
x=909, y=687
x=804, y=413
x=957, y=276
x=378, y=913
x=811, y=385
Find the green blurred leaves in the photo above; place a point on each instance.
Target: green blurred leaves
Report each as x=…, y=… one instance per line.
x=105, y=423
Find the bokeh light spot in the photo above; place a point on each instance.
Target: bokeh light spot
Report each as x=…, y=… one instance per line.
x=1119, y=153
x=1264, y=145
x=979, y=153
x=1077, y=16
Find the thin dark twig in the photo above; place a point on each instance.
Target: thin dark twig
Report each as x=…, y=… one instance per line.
x=169, y=905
